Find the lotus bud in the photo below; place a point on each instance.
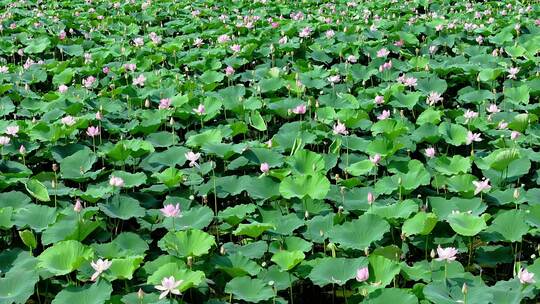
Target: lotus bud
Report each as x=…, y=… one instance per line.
x=205, y=199
x=191, y=197
x=53, y=184
x=464, y=289
x=516, y=193
x=366, y=251
x=78, y=206
x=263, y=264
x=222, y=250
x=271, y=283
x=22, y=150
x=147, y=103
x=340, y=210
x=54, y=167
x=306, y=214
x=189, y=261
x=140, y=294
x=432, y=254
x=171, y=121
x=321, y=232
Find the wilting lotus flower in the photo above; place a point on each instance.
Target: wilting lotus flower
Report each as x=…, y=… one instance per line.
x=362, y=274
x=300, y=109
x=525, y=277
x=155, y=38
x=471, y=137
x=116, y=181
x=193, y=158
x=169, y=285
x=265, y=168
x=481, y=186
x=446, y=254
x=339, y=128
x=171, y=210
x=99, y=266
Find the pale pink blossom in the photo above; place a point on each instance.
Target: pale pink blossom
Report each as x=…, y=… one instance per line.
x=329, y=34
x=492, y=108
x=105, y=70
x=229, y=70
x=300, y=109
x=379, y=99
x=471, y=137
x=482, y=185
x=139, y=81
x=198, y=42
x=433, y=98
x=116, y=181
x=264, y=168
x=68, y=120
x=283, y=40
x=169, y=285
x=171, y=210
x=362, y=274
x=430, y=152
x=192, y=158
x=352, y=59
x=62, y=35
x=512, y=72
x=89, y=81
x=164, y=103
x=514, y=135
x=370, y=198
x=130, y=67
x=139, y=41
x=480, y=39
x=92, y=131
x=334, y=78
x=12, y=130
x=236, y=48
x=470, y=115
x=525, y=277
x=223, y=38
x=339, y=128
x=99, y=267
x=22, y=150
x=4, y=69
x=446, y=254
x=78, y=207
x=410, y=82
x=399, y=43
x=4, y=140
x=200, y=109
x=155, y=38
x=305, y=32
x=502, y=125
x=384, y=115
x=382, y=53
x=375, y=159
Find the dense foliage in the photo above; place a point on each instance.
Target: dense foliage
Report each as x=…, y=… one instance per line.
x=269, y=151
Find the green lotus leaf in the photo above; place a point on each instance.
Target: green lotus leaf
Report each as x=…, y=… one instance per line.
x=187, y=243
x=466, y=224
x=64, y=257
x=247, y=289
x=360, y=233
x=335, y=270
x=287, y=260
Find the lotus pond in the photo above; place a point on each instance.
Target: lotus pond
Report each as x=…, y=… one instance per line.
x=269, y=151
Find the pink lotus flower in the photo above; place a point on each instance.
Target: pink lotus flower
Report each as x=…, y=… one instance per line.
x=525, y=277
x=236, y=48
x=305, y=32
x=130, y=67
x=362, y=274
x=200, y=109
x=480, y=39
x=502, y=125
x=4, y=69
x=139, y=81
x=274, y=25
x=493, y=109
x=139, y=41
x=384, y=115
x=300, y=109
x=229, y=70
x=155, y=38
x=78, y=206
x=399, y=43
x=339, y=128
x=410, y=82
x=164, y=103
x=385, y=66
x=283, y=40
x=512, y=72
x=433, y=98
x=382, y=53
x=329, y=34
x=171, y=210
x=89, y=81
x=446, y=254
x=470, y=115
x=4, y=140
x=481, y=186
x=12, y=130
x=334, y=79
x=68, y=120
x=105, y=70
x=92, y=131
x=430, y=152
x=514, y=135
x=375, y=159
x=265, y=168
x=62, y=35
x=471, y=137
x=370, y=198
x=99, y=267
x=198, y=42
x=116, y=181
x=193, y=158
x=379, y=99
x=223, y=38
x=22, y=150
x=168, y=285
x=352, y=59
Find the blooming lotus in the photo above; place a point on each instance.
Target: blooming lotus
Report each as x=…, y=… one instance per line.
x=525, y=277
x=430, y=152
x=168, y=285
x=382, y=53
x=116, y=181
x=68, y=121
x=379, y=99
x=265, y=168
x=139, y=81
x=472, y=137
x=362, y=274
x=446, y=254
x=92, y=131
x=193, y=158
x=481, y=186
x=384, y=115
x=4, y=140
x=375, y=159
x=339, y=128
x=99, y=266
x=300, y=109
x=433, y=98
x=12, y=130
x=171, y=210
